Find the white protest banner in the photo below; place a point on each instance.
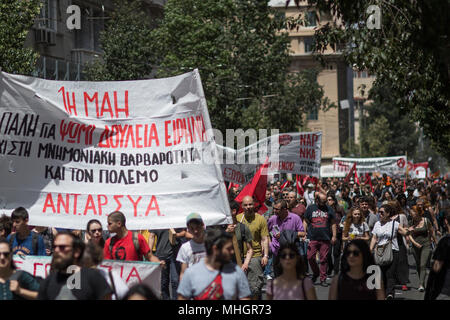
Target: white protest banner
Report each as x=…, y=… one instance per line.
x=74, y=151
x=393, y=166
x=131, y=272
x=297, y=152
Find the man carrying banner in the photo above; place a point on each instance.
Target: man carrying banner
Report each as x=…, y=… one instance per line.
x=69, y=281
x=194, y=250
x=126, y=245
x=24, y=242
x=260, y=235
x=215, y=277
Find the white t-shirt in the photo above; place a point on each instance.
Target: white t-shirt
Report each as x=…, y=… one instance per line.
x=191, y=252
x=384, y=232
x=358, y=230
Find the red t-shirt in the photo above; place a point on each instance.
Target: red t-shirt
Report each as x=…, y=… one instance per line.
x=123, y=249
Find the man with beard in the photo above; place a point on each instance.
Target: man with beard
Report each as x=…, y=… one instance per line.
x=320, y=224
x=215, y=277
x=67, y=280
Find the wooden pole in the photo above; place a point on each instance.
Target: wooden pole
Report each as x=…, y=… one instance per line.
x=237, y=252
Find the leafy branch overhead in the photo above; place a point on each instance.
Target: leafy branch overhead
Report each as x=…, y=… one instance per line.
x=16, y=19
x=243, y=57
x=410, y=52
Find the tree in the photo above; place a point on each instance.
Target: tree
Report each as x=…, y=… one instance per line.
x=403, y=132
x=16, y=19
x=126, y=43
x=243, y=57
x=410, y=52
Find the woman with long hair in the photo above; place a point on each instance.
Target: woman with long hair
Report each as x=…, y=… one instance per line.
x=403, y=244
x=351, y=283
x=15, y=284
x=292, y=283
x=94, y=232
x=420, y=237
x=383, y=232
x=355, y=226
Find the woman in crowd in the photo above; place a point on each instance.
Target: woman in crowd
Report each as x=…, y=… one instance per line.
x=292, y=284
x=351, y=283
x=403, y=244
x=94, y=232
x=355, y=227
x=15, y=284
x=420, y=237
x=383, y=232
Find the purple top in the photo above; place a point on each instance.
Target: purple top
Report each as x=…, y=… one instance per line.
x=292, y=222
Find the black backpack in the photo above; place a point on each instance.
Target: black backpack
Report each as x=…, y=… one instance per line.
x=34, y=241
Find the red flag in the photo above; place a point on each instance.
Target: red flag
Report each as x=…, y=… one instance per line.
x=369, y=180
x=305, y=180
x=353, y=169
x=404, y=185
x=286, y=184
x=298, y=184
x=257, y=188
x=356, y=177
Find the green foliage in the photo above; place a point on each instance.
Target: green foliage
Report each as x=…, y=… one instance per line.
x=243, y=56
x=404, y=134
x=127, y=45
x=410, y=53
x=377, y=139
x=16, y=19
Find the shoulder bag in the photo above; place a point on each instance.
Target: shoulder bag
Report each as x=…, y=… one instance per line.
x=383, y=254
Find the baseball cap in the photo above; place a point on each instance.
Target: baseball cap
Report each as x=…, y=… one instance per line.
x=193, y=216
x=310, y=185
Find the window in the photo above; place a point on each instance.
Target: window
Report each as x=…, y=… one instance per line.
x=88, y=37
x=360, y=74
x=313, y=114
x=47, y=16
x=310, y=18
x=309, y=44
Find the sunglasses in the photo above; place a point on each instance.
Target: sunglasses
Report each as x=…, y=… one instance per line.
x=6, y=254
x=285, y=255
x=61, y=247
x=96, y=230
x=355, y=253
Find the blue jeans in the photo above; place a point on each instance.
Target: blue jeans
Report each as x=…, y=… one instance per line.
x=268, y=269
x=170, y=275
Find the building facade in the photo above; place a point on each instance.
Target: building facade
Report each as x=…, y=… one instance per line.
x=64, y=52
x=340, y=82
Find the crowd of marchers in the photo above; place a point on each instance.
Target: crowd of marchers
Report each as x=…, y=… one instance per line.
x=319, y=232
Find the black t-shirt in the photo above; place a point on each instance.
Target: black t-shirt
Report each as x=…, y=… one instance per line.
x=319, y=222
x=442, y=253
x=164, y=250
x=92, y=286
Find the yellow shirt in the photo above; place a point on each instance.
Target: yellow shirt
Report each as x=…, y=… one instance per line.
x=258, y=229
